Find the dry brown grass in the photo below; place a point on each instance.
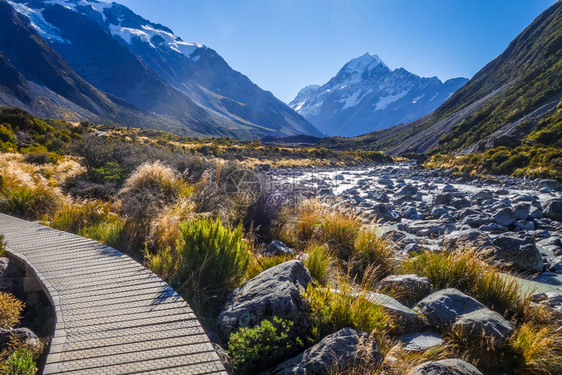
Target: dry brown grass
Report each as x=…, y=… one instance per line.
x=153, y=178
x=10, y=310
x=316, y=221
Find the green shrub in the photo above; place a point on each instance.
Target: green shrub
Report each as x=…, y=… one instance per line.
x=20, y=362
x=210, y=260
x=262, y=347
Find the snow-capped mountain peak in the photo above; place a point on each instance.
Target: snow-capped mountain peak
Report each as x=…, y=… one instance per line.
x=363, y=62
x=120, y=21
x=366, y=95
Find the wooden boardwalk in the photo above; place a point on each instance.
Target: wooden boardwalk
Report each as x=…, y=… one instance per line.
x=113, y=316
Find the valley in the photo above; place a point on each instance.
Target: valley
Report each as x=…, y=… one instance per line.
x=162, y=213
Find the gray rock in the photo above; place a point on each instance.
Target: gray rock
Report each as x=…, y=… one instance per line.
x=437, y=212
x=521, y=211
x=553, y=209
x=385, y=181
x=551, y=184
x=411, y=213
x=481, y=196
x=407, y=190
x=408, y=289
x=336, y=351
x=485, y=322
x=535, y=213
x=493, y=228
x=521, y=253
x=430, y=228
x=460, y=203
x=442, y=308
x=9, y=273
x=524, y=225
x=276, y=248
x=475, y=221
x=443, y=199
x=409, y=320
x=556, y=264
x=379, y=196
x=384, y=211
x=274, y=292
x=467, y=239
x=445, y=367
x=504, y=217
x=449, y=188
x=420, y=342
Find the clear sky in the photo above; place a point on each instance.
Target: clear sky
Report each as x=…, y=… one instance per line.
x=284, y=45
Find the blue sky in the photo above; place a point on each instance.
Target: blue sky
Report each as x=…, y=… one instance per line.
x=284, y=45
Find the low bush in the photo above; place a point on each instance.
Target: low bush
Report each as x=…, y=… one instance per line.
x=148, y=189
x=39, y=159
x=19, y=362
x=262, y=347
x=10, y=310
x=210, y=260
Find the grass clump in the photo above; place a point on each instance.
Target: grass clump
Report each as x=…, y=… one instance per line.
x=371, y=251
x=342, y=305
x=91, y=218
x=210, y=259
x=260, y=263
x=473, y=276
x=320, y=262
x=258, y=348
x=319, y=223
x=539, y=348
x=10, y=310
x=30, y=202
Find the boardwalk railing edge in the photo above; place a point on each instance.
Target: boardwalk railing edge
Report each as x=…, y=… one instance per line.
x=59, y=337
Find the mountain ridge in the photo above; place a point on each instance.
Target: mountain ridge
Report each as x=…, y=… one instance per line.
x=186, y=86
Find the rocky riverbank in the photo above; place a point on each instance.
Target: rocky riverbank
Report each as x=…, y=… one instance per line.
x=517, y=221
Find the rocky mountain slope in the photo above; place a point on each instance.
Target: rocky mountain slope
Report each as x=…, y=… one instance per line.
x=186, y=85
x=499, y=106
x=366, y=95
